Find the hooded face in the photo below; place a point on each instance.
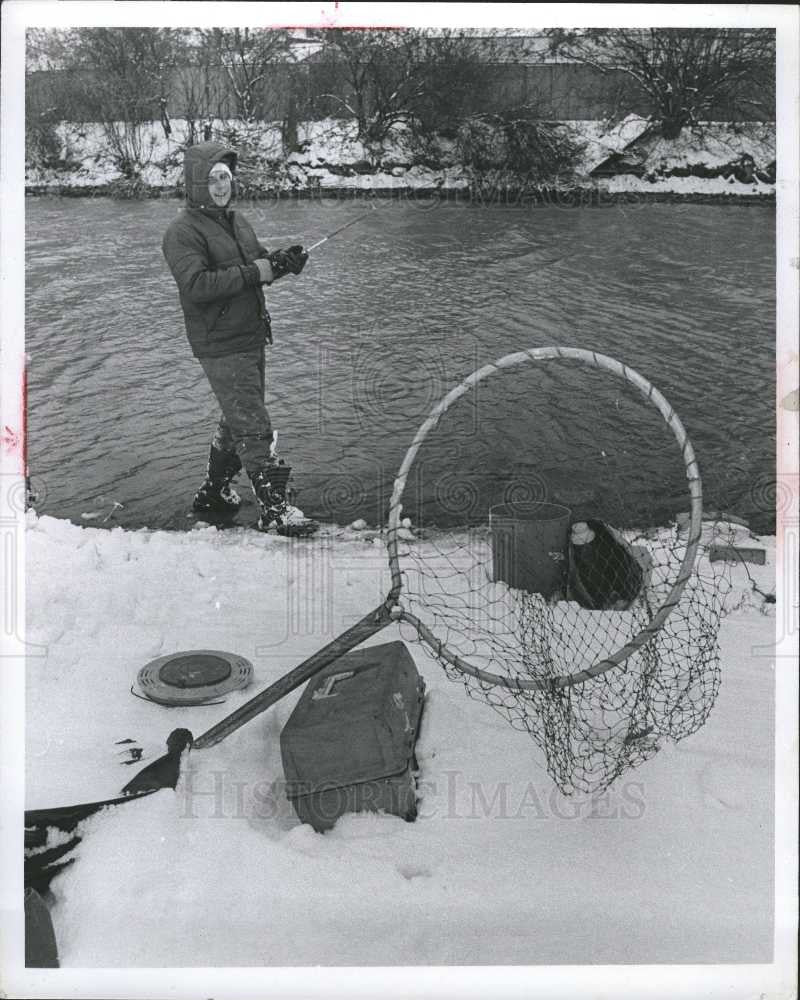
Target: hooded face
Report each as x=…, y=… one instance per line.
x=220, y=184
x=200, y=162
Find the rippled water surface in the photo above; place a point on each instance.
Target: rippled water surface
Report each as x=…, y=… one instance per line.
x=383, y=322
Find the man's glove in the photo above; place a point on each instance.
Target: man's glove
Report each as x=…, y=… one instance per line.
x=291, y=261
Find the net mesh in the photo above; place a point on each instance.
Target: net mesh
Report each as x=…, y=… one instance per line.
x=587, y=535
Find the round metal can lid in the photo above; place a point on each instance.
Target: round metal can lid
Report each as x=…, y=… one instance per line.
x=194, y=677
x=195, y=670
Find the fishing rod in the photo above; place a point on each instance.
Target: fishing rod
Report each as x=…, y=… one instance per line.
x=336, y=232
x=341, y=229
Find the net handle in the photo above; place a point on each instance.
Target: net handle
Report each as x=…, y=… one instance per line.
x=670, y=417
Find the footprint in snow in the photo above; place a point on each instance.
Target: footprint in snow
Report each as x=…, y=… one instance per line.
x=411, y=871
x=728, y=785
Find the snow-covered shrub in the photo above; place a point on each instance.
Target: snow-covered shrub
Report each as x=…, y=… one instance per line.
x=262, y=166
x=131, y=146
x=517, y=144
x=42, y=146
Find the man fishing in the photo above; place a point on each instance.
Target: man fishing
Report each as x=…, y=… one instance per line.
x=220, y=269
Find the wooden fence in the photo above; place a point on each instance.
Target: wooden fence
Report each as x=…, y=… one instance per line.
x=559, y=91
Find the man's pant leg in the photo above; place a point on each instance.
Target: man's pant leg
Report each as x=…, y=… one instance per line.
x=237, y=380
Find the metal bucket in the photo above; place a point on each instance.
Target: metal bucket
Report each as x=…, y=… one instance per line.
x=529, y=545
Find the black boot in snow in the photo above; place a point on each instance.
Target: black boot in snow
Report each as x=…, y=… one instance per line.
x=216, y=496
x=269, y=487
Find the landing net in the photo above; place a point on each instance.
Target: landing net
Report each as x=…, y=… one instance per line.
x=553, y=567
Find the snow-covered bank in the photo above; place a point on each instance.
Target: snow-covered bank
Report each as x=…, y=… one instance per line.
x=673, y=864
x=719, y=161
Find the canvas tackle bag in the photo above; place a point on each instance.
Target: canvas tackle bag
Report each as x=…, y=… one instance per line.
x=348, y=746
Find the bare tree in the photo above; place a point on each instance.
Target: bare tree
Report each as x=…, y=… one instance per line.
x=425, y=79
x=685, y=73
x=202, y=89
x=45, y=105
x=127, y=69
x=119, y=77
x=47, y=48
x=248, y=57
x=359, y=64
x=455, y=68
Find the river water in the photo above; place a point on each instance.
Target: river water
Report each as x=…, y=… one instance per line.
x=385, y=319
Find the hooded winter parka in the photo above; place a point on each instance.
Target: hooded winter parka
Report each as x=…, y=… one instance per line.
x=210, y=252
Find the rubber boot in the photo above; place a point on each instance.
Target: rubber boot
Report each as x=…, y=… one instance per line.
x=269, y=487
x=216, y=496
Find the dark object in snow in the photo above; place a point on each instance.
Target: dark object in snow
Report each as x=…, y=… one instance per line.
x=638, y=734
x=348, y=746
x=603, y=572
x=768, y=174
x=165, y=122
x=742, y=169
x=745, y=169
x=737, y=553
x=46, y=855
x=529, y=545
x=164, y=772
x=41, y=951
x=132, y=754
x=194, y=677
x=630, y=161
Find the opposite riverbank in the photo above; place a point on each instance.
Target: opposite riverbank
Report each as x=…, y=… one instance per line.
x=628, y=161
